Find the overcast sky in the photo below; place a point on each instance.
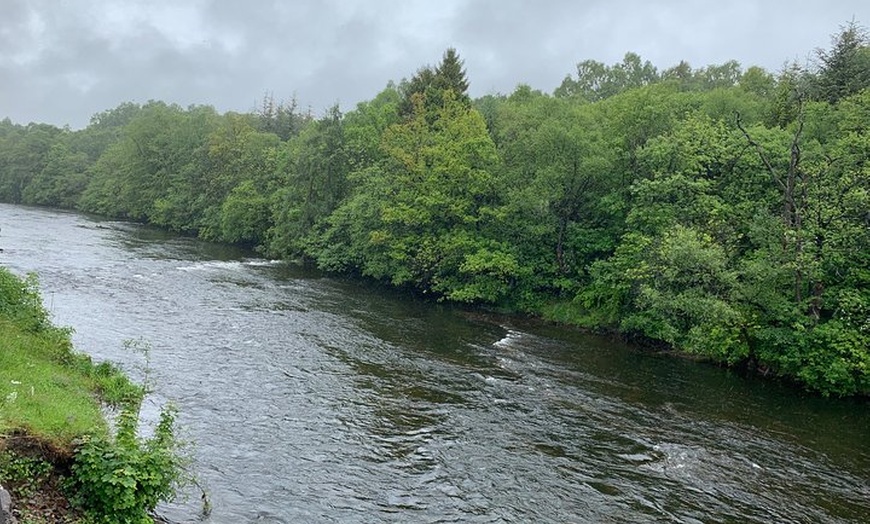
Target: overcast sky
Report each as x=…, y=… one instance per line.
x=61, y=61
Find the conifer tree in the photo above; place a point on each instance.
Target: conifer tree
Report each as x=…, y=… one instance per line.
x=845, y=68
x=450, y=75
x=430, y=84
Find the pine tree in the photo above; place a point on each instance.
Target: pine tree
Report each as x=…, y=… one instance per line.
x=430, y=84
x=450, y=75
x=845, y=69
x=420, y=84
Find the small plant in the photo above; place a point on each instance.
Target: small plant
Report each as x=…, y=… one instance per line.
x=121, y=480
x=22, y=474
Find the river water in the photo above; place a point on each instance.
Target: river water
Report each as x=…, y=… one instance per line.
x=316, y=399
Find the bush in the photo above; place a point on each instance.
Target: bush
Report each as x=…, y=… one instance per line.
x=121, y=480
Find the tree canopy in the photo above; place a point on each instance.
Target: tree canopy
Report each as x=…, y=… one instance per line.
x=714, y=210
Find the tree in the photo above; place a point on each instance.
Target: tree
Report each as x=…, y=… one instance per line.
x=281, y=118
x=757, y=81
x=719, y=76
x=152, y=173
x=421, y=84
x=671, y=277
x=24, y=153
x=844, y=69
x=239, y=163
x=597, y=81
x=430, y=84
x=450, y=75
x=682, y=74
x=817, y=331
x=419, y=216
x=556, y=166
x=315, y=165
x=61, y=181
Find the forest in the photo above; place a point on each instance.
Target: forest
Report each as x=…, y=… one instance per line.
x=718, y=211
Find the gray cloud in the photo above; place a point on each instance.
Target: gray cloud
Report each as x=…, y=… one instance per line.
x=62, y=61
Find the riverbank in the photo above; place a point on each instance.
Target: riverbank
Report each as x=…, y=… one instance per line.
x=53, y=435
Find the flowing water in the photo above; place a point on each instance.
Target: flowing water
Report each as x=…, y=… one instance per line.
x=316, y=399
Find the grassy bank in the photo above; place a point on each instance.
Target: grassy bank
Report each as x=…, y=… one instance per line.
x=57, y=455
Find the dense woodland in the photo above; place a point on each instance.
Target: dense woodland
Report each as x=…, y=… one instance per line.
x=720, y=211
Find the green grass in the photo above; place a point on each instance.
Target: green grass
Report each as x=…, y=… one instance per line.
x=47, y=390
x=41, y=395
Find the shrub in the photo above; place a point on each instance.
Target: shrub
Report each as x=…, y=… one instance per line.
x=121, y=480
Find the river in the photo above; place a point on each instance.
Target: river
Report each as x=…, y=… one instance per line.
x=316, y=399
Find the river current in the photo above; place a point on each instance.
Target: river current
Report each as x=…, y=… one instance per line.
x=310, y=398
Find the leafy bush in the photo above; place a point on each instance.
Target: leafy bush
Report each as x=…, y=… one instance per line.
x=121, y=480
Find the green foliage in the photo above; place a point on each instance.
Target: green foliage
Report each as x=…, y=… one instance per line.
x=279, y=118
x=570, y=312
x=844, y=70
x=450, y=75
x=683, y=297
x=245, y=215
x=24, y=153
x=62, y=179
x=155, y=171
x=715, y=210
x=48, y=391
x=315, y=166
x=22, y=474
x=238, y=171
x=411, y=217
x=121, y=480
x=46, y=388
x=431, y=85
x=835, y=359
x=20, y=301
x=597, y=81
x=555, y=180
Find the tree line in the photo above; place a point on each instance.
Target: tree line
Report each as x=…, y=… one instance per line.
x=720, y=211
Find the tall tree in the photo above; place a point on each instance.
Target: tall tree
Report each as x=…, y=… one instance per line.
x=420, y=216
x=24, y=153
x=845, y=68
x=430, y=85
x=421, y=85
x=314, y=166
x=61, y=181
x=280, y=117
x=449, y=74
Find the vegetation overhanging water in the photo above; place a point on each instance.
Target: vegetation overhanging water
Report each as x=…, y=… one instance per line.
x=718, y=210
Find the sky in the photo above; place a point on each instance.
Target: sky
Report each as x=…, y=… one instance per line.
x=62, y=61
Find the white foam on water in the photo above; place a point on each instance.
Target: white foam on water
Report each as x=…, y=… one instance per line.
x=230, y=264
x=212, y=265
x=509, y=340
x=261, y=262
